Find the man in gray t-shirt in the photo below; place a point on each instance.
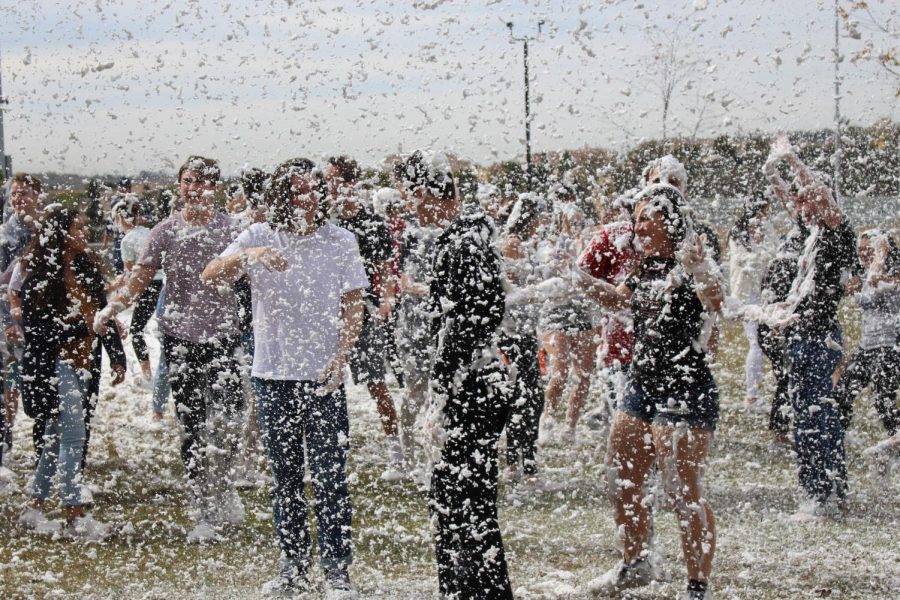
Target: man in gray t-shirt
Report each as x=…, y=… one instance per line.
x=200, y=337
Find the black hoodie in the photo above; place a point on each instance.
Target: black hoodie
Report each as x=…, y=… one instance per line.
x=466, y=299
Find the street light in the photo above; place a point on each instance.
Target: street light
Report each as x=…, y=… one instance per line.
x=525, y=40
x=5, y=161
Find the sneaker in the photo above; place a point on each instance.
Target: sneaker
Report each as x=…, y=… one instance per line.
x=35, y=519
x=291, y=580
x=87, y=529
x=395, y=451
x=754, y=404
x=232, y=509
x=696, y=595
x=156, y=426
x=622, y=577
x=883, y=455
x=204, y=532
x=567, y=437
x=512, y=474
x=337, y=583
x=547, y=430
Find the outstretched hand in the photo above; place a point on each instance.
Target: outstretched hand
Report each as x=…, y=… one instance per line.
x=332, y=376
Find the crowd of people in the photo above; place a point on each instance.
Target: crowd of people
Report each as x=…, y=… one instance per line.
x=485, y=317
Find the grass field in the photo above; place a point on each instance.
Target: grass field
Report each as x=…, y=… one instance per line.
x=556, y=542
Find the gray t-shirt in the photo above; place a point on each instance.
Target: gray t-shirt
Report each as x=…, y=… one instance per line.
x=195, y=312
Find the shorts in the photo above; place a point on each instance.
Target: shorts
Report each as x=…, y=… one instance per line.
x=570, y=317
x=699, y=409
x=369, y=354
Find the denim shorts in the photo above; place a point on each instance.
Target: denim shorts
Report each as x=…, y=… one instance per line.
x=699, y=409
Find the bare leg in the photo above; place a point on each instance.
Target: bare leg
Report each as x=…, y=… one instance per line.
x=556, y=346
x=630, y=456
x=682, y=457
x=583, y=352
x=385, y=404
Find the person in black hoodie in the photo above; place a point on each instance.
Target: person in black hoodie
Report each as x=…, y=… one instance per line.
x=468, y=399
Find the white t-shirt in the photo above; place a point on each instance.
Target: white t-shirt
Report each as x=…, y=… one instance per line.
x=297, y=313
x=133, y=244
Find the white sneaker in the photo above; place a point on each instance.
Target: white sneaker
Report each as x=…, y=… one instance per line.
x=395, y=451
x=88, y=529
x=567, y=437
x=35, y=519
x=232, y=509
x=704, y=595
x=391, y=474
x=883, y=455
x=203, y=532
x=547, y=430
x=622, y=577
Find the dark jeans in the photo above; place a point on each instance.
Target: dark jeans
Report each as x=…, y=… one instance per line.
x=463, y=500
x=879, y=367
x=819, y=436
x=298, y=424
x=773, y=346
x=204, y=376
x=143, y=310
x=527, y=402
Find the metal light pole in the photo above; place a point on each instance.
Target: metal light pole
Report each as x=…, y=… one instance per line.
x=836, y=159
x=5, y=162
x=525, y=40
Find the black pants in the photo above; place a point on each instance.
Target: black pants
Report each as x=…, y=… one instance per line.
x=143, y=310
x=463, y=500
x=772, y=344
x=40, y=394
x=201, y=375
x=879, y=367
x=527, y=402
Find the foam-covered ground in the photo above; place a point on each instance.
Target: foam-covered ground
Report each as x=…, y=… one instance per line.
x=556, y=541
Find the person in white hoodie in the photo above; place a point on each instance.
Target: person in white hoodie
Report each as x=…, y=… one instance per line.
x=749, y=253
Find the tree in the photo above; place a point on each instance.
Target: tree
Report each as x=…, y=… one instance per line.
x=857, y=16
x=668, y=67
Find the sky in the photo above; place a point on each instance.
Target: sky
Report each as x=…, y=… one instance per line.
x=123, y=86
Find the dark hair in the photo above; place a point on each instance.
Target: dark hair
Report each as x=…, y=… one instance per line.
x=674, y=211
x=28, y=180
x=416, y=172
x=127, y=207
x=892, y=263
x=753, y=208
x=347, y=168
x=42, y=261
x=254, y=183
x=278, y=194
x=209, y=167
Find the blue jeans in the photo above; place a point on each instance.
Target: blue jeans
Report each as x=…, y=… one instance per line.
x=289, y=412
x=63, y=440
x=819, y=437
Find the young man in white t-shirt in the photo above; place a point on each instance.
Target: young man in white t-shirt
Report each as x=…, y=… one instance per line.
x=308, y=282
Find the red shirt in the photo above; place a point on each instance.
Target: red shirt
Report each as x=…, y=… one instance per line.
x=610, y=256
